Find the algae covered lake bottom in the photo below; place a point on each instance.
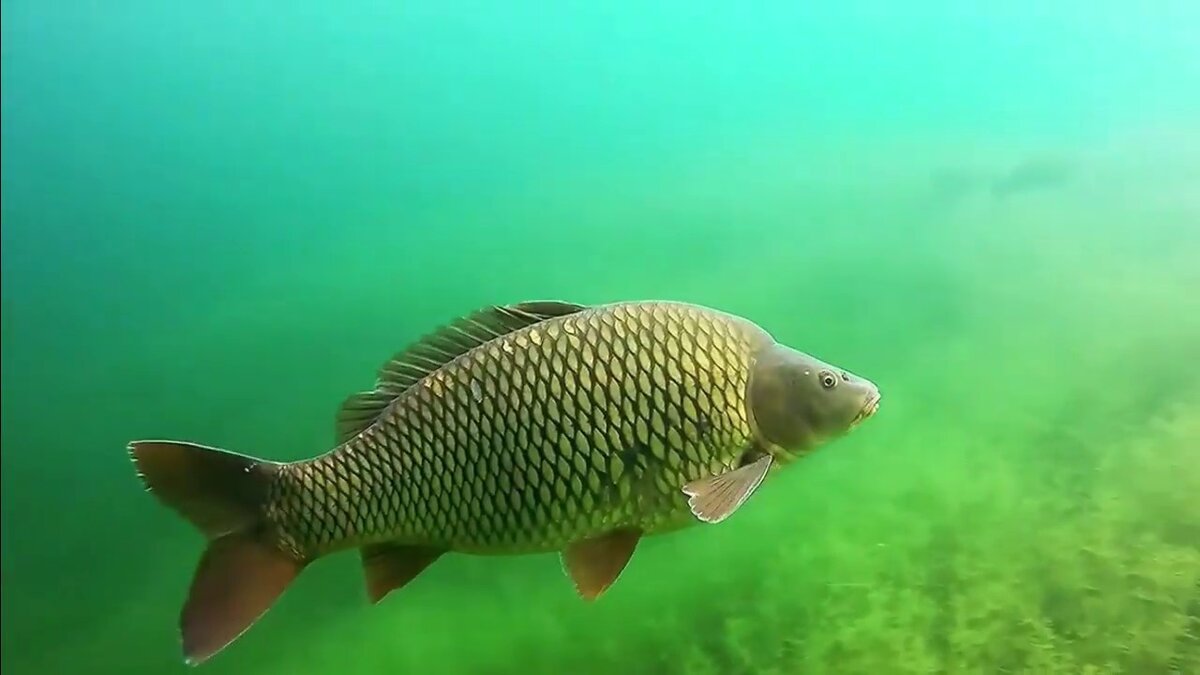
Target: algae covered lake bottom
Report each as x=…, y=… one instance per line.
x=1023, y=289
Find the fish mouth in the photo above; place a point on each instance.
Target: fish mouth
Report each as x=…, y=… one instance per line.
x=869, y=408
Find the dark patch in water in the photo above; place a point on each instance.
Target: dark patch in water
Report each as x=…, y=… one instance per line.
x=1032, y=175
x=952, y=184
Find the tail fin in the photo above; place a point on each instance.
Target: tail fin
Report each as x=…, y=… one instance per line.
x=243, y=571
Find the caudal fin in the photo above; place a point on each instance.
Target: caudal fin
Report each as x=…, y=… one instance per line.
x=243, y=571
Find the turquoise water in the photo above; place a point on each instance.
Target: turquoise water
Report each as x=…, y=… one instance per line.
x=218, y=219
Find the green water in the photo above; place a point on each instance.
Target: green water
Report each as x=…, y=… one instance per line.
x=219, y=218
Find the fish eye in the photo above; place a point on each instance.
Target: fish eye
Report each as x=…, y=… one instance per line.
x=828, y=380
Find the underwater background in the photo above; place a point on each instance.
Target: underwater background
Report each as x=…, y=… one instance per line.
x=220, y=218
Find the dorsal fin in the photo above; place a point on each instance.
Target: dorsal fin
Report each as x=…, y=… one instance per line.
x=435, y=350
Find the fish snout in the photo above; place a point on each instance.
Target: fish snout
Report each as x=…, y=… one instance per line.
x=869, y=408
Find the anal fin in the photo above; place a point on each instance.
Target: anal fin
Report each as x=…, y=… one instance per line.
x=594, y=564
x=715, y=498
x=391, y=566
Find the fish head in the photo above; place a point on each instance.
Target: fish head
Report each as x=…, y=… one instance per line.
x=797, y=402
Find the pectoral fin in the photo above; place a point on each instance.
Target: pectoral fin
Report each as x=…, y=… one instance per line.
x=391, y=566
x=594, y=564
x=714, y=498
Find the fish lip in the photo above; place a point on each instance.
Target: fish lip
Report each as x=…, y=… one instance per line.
x=869, y=408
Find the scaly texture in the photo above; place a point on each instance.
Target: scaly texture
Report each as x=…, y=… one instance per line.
x=550, y=434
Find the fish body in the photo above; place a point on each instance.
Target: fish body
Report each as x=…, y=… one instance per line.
x=536, y=427
x=563, y=429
